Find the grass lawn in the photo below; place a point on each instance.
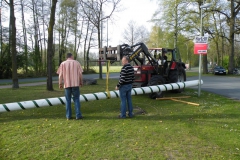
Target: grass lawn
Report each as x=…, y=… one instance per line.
x=112, y=69
x=167, y=130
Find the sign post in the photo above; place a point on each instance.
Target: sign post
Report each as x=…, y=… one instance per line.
x=200, y=47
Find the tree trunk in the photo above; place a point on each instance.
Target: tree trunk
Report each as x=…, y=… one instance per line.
x=231, y=56
x=44, y=40
x=85, y=57
x=222, y=51
x=24, y=38
x=205, y=64
x=63, y=33
x=75, y=33
x=50, y=46
x=89, y=46
x=37, y=57
x=12, y=43
x=80, y=36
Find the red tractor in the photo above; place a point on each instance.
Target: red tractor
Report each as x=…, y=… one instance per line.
x=154, y=66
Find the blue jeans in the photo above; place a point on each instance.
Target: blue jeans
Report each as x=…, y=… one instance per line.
x=125, y=96
x=75, y=91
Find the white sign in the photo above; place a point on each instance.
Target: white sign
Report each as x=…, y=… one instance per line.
x=201, y=39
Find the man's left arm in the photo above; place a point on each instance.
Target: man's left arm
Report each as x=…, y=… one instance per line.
x=121, y=78
x=60, y=77
x=80, y=75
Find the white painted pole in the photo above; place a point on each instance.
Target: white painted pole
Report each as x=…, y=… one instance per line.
x=93, y=96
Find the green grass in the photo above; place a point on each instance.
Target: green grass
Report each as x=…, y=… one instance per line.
x=112, y=69
x=168, y=130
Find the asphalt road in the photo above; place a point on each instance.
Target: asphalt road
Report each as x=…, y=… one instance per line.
x=222, y=85
x=43, y=80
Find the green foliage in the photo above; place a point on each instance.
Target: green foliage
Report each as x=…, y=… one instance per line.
x=225, y=62
x=237, y=64
x=6, y=63
x=167, y=130
x=159, y=38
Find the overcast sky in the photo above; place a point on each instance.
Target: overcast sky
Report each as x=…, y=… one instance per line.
x=140, y=11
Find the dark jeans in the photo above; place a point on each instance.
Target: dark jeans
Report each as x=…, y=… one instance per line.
x=75, y=92
x=125, y=96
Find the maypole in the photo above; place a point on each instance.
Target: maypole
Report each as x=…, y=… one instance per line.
x=94, y=96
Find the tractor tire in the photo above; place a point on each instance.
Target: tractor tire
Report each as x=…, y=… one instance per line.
x=156, y=80
x=177, y=76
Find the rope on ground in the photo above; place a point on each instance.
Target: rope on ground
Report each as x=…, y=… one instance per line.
x=174, y=99
x=165, y=98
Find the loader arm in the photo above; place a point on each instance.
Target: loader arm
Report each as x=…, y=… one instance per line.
x=135, y=55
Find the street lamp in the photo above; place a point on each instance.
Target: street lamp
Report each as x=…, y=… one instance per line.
x=206, y=5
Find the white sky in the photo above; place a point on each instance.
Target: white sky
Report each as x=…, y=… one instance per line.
x=140, y=11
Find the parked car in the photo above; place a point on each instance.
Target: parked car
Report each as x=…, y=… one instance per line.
x=236, y=71
x=219, y=70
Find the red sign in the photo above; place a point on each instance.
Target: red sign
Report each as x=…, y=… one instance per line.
x=200, y=48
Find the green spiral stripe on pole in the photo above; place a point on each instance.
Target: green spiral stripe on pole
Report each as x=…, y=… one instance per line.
x=96, y=96
x=151, y=89
x=165, y=87
x=60, y=99
x=178, y=85
x=5, y=107
x=21, y=105
x=172, y=86
x=116, y=94
x=159, y=88
x=50, y=104
x=36, y=104
x=135, y=91
x=85, y=97
x=142, y=90
x=105, y=94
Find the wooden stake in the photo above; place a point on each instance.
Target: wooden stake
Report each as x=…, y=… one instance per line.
x=195, y=104
x=174, y=99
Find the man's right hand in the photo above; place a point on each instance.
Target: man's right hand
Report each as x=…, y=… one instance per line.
x=60, y=86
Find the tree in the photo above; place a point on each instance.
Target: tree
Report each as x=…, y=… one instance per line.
x=24, y=37
x=50, y=46
x=36, y=56
x=230, y=15
x=172, y=17
x=87, y=44
x=159, y=38
x=94, y=13
x=12, y=44
x=134, y=33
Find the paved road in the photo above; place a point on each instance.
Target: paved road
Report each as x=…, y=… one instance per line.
x=222, y=85
x=43, y=80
